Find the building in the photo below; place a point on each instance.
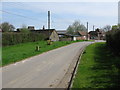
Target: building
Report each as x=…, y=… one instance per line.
x=97, y=35
x=61, y=33
x=31, y=28
x=64, y=36
x=93, y=35
x=82, y=35
x=49, y=33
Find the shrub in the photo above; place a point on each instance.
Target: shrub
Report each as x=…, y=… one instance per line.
x=113, y=40
x=49, y=42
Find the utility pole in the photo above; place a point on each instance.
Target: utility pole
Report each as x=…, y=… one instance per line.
x=49, y=23
x=48, y=19
x=87, y=30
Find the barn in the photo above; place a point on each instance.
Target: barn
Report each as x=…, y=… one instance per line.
x=49, y=33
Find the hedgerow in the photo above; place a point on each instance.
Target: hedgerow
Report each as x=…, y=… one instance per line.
x=113, y=40
x=12, y=38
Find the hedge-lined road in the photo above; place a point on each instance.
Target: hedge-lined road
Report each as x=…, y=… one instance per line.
x=42, y=71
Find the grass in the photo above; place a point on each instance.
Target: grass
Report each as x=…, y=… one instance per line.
x=98, y=68
x=11, y=54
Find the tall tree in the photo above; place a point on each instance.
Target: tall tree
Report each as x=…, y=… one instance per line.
x=7, y=27
x=76, y=26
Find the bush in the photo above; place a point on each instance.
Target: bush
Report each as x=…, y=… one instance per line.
x=113, y=40
x=49, y=42
x=11, y=38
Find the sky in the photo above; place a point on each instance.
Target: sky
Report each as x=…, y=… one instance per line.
x=63, y=14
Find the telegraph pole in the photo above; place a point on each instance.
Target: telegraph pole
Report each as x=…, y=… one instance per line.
x=48, y=19
x=49, y=23
x=87, y=30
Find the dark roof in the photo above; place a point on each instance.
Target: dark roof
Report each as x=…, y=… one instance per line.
x=46, y=32
x=93, y=33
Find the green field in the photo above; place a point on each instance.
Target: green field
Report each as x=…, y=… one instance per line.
x=98, y=68
x=11, y=54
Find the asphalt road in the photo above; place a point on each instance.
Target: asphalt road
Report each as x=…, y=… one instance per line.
x=42, y=71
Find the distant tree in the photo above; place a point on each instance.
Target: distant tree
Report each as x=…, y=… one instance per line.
x=107, y=28
x=24, y=29
x=70, y=29
x=116, y=27
x=76, y=26
x=7, y=27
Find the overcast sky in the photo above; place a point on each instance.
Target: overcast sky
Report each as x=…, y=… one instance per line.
x=62, y=13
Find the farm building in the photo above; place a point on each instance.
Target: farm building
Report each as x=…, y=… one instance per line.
x=82, y=35
x=49, y=33
x=64, y=36
x=97, y=35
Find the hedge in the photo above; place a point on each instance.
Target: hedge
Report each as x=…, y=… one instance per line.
x=11, y=38
x=113, y=40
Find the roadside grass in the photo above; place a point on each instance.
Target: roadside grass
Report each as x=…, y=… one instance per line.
x=12, y=54
x=98, y=68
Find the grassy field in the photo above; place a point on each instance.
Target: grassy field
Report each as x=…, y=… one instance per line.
x=98, y=68
x=11, y=54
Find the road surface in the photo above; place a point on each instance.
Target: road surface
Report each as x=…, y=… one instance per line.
x=42, y=71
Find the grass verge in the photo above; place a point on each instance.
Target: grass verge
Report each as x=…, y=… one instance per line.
x=11, y=54
x=98, y=68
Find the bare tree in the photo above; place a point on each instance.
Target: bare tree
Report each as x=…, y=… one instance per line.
x=7, y=27
x=76, y=26
x=24, y=29
x=107, y=28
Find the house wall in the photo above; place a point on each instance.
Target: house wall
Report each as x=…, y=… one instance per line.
x=81, y=38
x=54, y=36
x=65, y=39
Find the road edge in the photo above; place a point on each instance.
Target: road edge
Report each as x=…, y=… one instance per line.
x=76, y=68
x=66, y=81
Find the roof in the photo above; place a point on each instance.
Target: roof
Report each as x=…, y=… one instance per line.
x=61, y=32
x=93, y=33
x=47, y=32
x=83, y=33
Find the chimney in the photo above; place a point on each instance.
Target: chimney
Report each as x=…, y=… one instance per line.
x=43, y=27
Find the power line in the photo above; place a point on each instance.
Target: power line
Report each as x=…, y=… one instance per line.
x=16, y=14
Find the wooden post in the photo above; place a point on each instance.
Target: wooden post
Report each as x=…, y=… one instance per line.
x=37, y=48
